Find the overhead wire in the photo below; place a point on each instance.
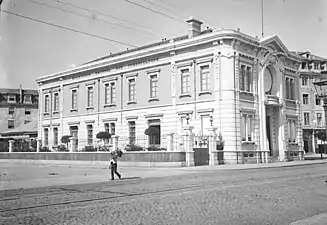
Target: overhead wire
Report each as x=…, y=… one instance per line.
x=68, y=28
x=100, y=13
x=93, y=18
x=155, y=11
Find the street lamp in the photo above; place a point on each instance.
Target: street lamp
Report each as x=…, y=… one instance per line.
x=321, y=88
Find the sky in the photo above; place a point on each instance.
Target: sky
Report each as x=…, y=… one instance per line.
x=30, y=49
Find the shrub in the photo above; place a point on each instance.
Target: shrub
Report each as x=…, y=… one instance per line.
x=133, y=148
x=65, y=139
x=103, y=149
x=154, y=148
x=45, y=149
x=62, y=148
x=89, y=149
x=103, y=135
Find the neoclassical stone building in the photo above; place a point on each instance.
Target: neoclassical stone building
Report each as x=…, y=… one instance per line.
x=248, y=86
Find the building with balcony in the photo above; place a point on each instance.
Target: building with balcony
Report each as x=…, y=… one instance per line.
x=248, y=86
x=17, y=107
x=313, y=68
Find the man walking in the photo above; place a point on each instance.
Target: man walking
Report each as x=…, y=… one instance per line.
x=113, y=165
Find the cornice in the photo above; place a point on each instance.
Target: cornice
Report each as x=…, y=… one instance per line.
x=165, y=48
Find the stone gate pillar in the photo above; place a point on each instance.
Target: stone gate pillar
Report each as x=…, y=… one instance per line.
x=170, y=142
x=188, y=145
x=115, y=142
x=38, y=144
x=72, y=144
x=213, y=153
x=11, y=143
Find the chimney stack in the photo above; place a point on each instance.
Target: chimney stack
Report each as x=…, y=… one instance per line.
x=194, y=27
x=20, y=93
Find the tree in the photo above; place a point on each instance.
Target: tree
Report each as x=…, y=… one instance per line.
x=151, y=131
x=65, y=139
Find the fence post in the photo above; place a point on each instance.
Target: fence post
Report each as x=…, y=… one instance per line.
x=115, y=142
x=38, y=144
x=188, y=146
x=72, y=144
x=213, y=153
x=170, y=143
x=11, y=143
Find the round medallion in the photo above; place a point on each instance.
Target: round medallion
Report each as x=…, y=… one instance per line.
x=268, y=80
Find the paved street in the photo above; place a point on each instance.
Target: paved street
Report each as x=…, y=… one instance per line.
x=284, y=195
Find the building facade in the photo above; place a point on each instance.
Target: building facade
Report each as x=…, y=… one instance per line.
x=17, y=107
x=312, y=69
x=249, y=87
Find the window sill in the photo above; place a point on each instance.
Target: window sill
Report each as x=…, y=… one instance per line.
x=55, y=112
x=131, y=102
x=205, y=93
x=89, y=107
x=248, y=142
x=109, y=105
x=45, y=114
x=153, y=99
x=185, y=95
x=73, y=110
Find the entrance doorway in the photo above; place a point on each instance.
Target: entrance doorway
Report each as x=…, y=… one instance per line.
x=268, y=128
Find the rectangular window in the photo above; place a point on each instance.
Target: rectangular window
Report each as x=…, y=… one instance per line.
x=27, y=112
x=245, y=80
x=304, y=65
x=11, y=124
x=319, y=119
x=306, y=119
x=292, y=131
x=12, y=98
x=131, y=126
x=305, y=80
x=154, y=86
x=247, y=129
x=27, y=99
x=185, y=81
x=292, y=89
x=242, y=78
x=89, y=135
x=318, y=100
x=90, y=92
x=11, y=111
x=248, y=79
x=46, y=103
x=305, y=99
x=110, y=93
x=205, y=78
x=56, y=102
x=131, y=89
x=46, y=137
x=112, y=129
x=55, y=136
x=316, y=66
x=74, y=99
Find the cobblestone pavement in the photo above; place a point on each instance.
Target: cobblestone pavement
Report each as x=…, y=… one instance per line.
x=257, y=196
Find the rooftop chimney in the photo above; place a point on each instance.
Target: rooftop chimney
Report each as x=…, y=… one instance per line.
x=21, y=93
x=194, y=27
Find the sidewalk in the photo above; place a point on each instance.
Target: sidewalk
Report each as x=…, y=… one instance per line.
x=24, y=174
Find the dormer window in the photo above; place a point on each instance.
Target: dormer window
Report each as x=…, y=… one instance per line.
x=12, y=98
x=27, y=99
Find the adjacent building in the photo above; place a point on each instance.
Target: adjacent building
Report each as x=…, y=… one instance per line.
x=247, y=87
x=313, y=68
x=17, y=107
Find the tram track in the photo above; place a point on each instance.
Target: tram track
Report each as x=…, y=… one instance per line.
x=190, y=187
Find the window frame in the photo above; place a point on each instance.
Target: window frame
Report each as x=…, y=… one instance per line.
x=27, y=101
x=209, y=80
x=13, y=122
x=307, y=102
x=249, y=118
x=153, y=78
x=112, y=85
x=319, y=124
x=14, y=98
x=131, y=138
x=72, y=91
x=90, y=88
x=248, y=78
x=187, y=91
x=290, y=93
x=292, y=130
x=46, y=136
x=129, y=80
x=55, y=103
x=305, y=81
x=46, y=104
x=55, y=136
x=304, y=118
x=89, y=127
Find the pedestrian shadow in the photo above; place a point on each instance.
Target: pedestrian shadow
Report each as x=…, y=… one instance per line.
x=130, y=178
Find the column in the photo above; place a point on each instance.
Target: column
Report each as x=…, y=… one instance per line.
x=61, y=107
x=38, y=144
x=281, y=135
x=72, y=144
x=170, y=142
x=11, y=143
x=262, y=113
x=115, y=142
x=213, y=153
x=188, y=146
